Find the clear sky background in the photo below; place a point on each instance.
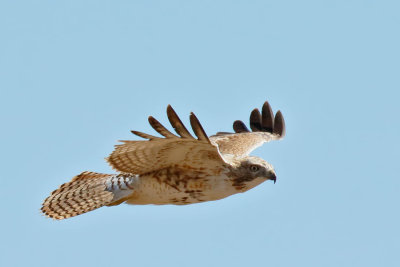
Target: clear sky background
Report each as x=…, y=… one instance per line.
x=76, y=76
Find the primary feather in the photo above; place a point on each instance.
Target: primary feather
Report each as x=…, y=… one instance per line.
x=174, y=169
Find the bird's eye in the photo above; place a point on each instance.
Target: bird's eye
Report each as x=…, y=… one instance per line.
x=254, y=168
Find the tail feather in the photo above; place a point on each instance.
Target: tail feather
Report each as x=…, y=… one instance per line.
x=86, y=192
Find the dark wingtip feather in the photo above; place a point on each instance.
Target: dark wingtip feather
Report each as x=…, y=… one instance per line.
x=263, y=122
x=160, y=128
x=267, y=118
x=240, y=127
x=197, y=128
x=177, y=123
x=144, y=135
x=279, y=124
x=255, y=120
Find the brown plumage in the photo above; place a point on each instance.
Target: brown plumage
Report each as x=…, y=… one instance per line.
x=174, y=169
x=85, y=192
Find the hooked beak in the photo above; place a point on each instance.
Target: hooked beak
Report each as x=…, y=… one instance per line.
x=272, y=177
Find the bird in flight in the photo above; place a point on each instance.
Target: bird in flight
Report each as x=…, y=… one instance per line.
x=174, y=169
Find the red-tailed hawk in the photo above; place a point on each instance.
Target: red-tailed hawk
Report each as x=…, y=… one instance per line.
x=174, y=169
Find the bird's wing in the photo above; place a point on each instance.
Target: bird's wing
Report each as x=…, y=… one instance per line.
x=264, y=128
x=156, y=153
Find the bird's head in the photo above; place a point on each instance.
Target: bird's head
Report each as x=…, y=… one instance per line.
x=252, y=171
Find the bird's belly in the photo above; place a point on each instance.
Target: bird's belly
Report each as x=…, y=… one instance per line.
x=150, y=190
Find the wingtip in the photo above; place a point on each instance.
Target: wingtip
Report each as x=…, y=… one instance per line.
x=151, y=118
x=266, y=105
x=279, y=124
x=144, y=135
x=255, y=120
x=170, y=110
x=240, y=127
x=198, y=128
x=267, y=117
x=177, y=124
x=160, y=128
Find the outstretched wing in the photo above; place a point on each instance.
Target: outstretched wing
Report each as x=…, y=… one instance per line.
x=156, y=153
x=264, y=128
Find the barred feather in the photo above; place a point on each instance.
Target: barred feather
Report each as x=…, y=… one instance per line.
x=86, y=192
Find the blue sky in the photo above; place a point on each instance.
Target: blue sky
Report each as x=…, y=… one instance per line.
x=76, y=76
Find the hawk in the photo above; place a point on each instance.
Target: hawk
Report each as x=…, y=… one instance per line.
x=174, y=169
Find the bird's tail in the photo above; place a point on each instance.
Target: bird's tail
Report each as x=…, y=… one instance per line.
x=86, y=192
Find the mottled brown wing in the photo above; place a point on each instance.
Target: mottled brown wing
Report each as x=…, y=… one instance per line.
x=156, y=153
x=264, y=128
